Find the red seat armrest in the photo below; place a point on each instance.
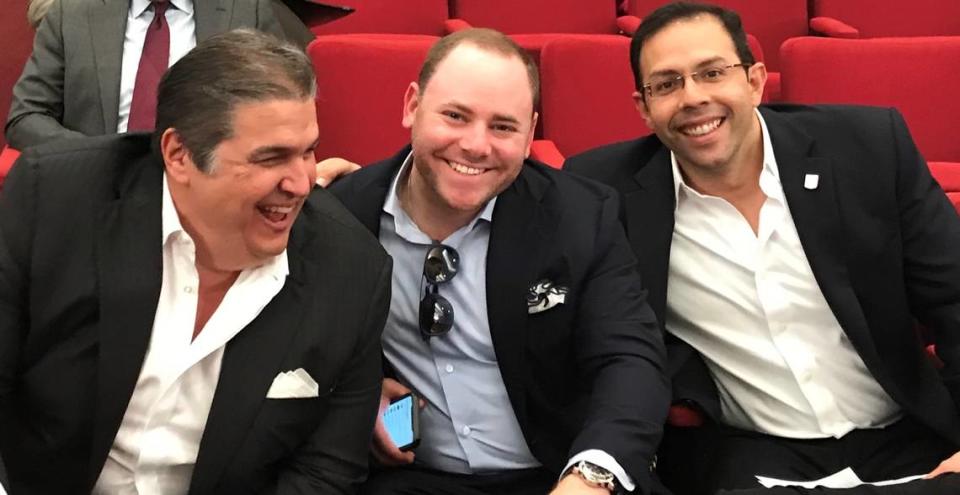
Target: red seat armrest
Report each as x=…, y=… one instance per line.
x=546, y=151
x=833, y=28
x=628, y=24
x=454, y=25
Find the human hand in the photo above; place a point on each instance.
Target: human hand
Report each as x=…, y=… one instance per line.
x=951, y=465
x=573, y=484
x=382, y=446
x=331, y=169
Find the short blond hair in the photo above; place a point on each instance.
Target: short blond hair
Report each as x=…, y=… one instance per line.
x=36, y=9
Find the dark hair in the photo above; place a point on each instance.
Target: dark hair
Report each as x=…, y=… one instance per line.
x=198, y=94
x=486, y=39
x=673, y=12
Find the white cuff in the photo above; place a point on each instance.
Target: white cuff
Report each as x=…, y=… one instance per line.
x=606, y=461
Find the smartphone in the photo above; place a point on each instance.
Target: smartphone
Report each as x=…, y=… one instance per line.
x=402, y=422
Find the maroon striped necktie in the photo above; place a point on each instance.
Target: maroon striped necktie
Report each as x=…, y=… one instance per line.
x=153, y=63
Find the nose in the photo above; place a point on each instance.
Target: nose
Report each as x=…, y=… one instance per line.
x=475, y=140
x=300, y=177
x=693, y=93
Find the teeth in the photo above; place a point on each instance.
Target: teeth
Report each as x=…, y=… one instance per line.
x=702, y=128
x=463, y=169
x=277, y=209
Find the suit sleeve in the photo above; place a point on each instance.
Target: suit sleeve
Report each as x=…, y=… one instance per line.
x=293, y=28
x=931, y=245
x=621, y=348
x=267, y=20
x=36, y=110
x=334, y=461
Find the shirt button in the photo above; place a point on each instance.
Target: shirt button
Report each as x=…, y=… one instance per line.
x=449, y=368
x=188, y=289
x=466, y=431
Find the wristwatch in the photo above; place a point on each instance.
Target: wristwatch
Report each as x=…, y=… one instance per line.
x=595, y=475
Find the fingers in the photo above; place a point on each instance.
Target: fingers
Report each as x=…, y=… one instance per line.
x=333, y=168
x=382, y=446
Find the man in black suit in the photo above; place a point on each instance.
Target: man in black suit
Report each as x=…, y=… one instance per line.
x=788, y=251
x=176, y=316
x=517, y=313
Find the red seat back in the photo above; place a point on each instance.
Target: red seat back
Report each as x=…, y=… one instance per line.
x=879, y=18
x=538, y=16
x=384, y=16
x=948, y=175
x=361, y=81
x=587, y=87
x=918, y=76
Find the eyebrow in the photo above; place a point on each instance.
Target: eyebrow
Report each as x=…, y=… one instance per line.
x=705, y=63
x=266, y=151
x=496, y=117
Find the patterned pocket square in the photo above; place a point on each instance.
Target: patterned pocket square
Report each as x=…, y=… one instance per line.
x=544, y=295
x=293, y=385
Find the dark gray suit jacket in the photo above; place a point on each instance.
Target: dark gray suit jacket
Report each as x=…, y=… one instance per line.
x=881, y=237
x=80, y=276
x=71, y=84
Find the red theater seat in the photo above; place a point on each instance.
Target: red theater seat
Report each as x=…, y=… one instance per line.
x=379, y=16
x=885, y=18
x=918, y=76
x=7, y=157
x=586, y=95
x=360, y=86
x=948, y=175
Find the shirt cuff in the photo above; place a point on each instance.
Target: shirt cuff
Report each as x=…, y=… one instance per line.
x=606, y=461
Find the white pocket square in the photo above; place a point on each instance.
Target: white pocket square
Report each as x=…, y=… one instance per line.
x=544, y=295
x=295, y=384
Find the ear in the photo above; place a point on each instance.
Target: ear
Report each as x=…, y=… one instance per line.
x=177, y=160
x=757, y=77
x=411, y=101
x=641, y=105
x=533, y=127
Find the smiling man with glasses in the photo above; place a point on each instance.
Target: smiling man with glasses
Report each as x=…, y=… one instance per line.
x=789, y=252
x=517, y=311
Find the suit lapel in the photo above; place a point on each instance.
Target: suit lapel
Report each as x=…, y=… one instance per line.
x=108, y=23
x=251, y=361
x=212, y=17
x=817, y=216
x=523, y=226
x=649, y=225
x=130, y=267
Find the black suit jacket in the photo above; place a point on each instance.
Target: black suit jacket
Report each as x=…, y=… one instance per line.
x=80, y=276
x=586, y=374
x=880, y=235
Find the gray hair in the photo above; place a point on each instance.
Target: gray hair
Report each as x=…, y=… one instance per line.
x=198, y=94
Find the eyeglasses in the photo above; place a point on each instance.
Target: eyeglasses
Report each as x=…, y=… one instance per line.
x=665, y=85
x=436, y=313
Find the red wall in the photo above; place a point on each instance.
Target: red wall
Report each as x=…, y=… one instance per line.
x=16, y=42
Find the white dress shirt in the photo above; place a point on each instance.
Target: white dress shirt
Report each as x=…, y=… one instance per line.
x=183, y=38
x=749, y=303
x=158, y=440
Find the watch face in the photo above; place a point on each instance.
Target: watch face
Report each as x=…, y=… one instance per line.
x=595, y=474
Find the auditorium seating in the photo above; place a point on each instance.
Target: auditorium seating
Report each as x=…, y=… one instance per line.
x=918, y=76
x=771, y=21
x=379, y=16
x=586, y=97
x=534, y=23
x=885, y=18
x=360, y=86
